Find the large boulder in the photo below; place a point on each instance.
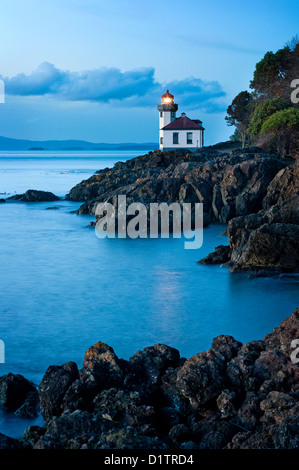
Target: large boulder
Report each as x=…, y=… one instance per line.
x=33, y=195
x=101, y=367
x=270, y=247
x=8, y=443
x=283, y=187
x=151, y=363
x=221, y=255
x=202, y=377
x=14, y=390
x=54, y=386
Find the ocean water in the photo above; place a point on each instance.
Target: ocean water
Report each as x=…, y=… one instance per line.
x=63, y=289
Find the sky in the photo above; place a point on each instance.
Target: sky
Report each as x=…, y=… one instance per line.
x=96, y=69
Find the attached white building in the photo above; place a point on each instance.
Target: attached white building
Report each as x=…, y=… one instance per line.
x=177, y=133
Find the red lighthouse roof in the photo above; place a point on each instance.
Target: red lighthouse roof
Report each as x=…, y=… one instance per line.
x=183, y=123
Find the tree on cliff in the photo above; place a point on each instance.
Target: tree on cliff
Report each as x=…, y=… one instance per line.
x=238, y=114
x=271, y=93
x=270, y=74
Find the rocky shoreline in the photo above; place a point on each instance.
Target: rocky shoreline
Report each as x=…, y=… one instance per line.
x=232, y=396
x=255, y=193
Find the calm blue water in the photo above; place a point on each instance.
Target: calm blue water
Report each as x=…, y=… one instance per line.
x=63, y=289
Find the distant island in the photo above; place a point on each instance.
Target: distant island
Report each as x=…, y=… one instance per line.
x=76, y=145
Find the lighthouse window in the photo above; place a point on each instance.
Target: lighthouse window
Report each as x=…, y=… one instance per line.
x=161, y=140
x=175, y=138
x=161, y=114
x=189, y=137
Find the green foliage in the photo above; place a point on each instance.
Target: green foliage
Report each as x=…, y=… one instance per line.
x=239, y=110
x=285, y=120
x=270, y=73
x=263, y=111
x=238, y=113
x=236, y=136
x=267, y=116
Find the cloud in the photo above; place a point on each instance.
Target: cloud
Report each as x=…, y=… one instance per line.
x=44, y=80
x=132, y=88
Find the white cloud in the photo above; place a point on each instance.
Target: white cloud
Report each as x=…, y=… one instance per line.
x=133, y=88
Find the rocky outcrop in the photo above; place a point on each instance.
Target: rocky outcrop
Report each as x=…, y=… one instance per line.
x=269, y=247
x=266, y=241
x=18, y=395
x=233, y=396
x=228, y=185
x=255, y=193
x=222, y=254
x=33, y=195
x=269, y=240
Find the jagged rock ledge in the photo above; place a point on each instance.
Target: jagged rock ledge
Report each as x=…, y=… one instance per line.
x=255, y=193
x=232, y=396
x=266, y=241
x=228, y=184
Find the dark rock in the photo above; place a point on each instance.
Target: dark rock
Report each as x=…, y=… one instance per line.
x=286, y=435
x=14, y=389
x=220, y=255
x=80, y=426
x=277, y=406
x=226, y=403
x=32, y=435
x=251, y=440
x=232, y=396
x=123, y=406
x=2, y=200
x=240, y=369
x=33, y=195
x=249, y=412
x=213, y=433
x=227, y=346
x=101, y=367
x=177, y=405
x=282, y=336
x=53, y=387
x=128, y=438
x=227, y=185
x=271, y=247
x=188, y=445
x=202, y=377
x=180, y=433
x=78, y=396
x=30, y=407
x=283, y=187
x=269, y=240
x=151, y=363
x=9, y=443
x=268, y=364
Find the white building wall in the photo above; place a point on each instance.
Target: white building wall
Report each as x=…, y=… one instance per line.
x=166, y=118
x=168, y=139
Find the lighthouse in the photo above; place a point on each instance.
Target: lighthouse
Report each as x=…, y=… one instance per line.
x=177, y=133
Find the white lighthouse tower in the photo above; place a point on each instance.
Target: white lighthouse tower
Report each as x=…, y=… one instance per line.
x=167, y=114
